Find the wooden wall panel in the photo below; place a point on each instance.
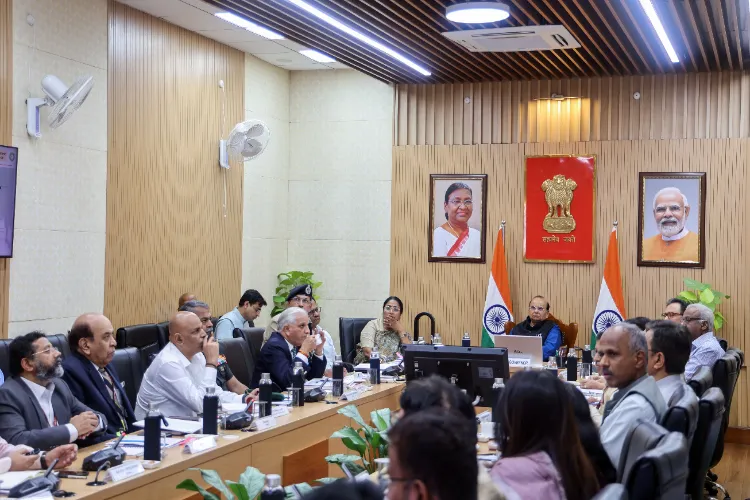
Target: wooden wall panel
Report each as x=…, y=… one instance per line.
x=684, y=106
x=455, y=293
x=167, y=232
x=6, y=131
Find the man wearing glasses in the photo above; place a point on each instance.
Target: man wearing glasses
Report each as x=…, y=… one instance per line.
x=37, y=408
x=241, y=316
x=705, y=349
x=674, y=310
x=537, y=324
x=301, y=296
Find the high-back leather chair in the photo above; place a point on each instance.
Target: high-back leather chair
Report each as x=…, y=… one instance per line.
x=723, y=343
x=163, y=334
x=710, y=414
x=145, y=338
x=239, y=359
x=569, y=330
x=350, y=330
x=127, y=363
x=254, y=339
x=5, y=357
x=701, y=381
x=60, y=341
x=682, y=416
x=642, y=437
x=660, y=473
x=614, y=491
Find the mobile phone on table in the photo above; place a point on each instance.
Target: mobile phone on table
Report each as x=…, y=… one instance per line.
x=72, y=474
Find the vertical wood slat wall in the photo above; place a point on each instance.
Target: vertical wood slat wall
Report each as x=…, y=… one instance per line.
x=6, y=126
x=455, y=293
x=166, y=229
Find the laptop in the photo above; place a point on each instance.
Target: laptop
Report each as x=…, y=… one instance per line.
x=521, y=346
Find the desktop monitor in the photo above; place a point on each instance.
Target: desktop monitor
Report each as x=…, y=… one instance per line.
x=8, y=174
x=475, y=368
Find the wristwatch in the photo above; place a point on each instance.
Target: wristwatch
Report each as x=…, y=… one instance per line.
x=42, y=460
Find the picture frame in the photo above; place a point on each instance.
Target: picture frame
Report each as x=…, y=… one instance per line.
x=672, y=219
x=457, y=233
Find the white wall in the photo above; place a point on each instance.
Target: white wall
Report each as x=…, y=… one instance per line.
x=340, y=162
x=57, y=271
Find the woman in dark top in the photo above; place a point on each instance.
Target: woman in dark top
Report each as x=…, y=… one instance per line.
x=605, y=471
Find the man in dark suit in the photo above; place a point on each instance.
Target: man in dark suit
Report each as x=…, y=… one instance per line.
x=290, y=344
x=36, y=407
x=91, y=378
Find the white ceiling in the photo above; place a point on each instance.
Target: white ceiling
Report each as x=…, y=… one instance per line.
x=198, y=16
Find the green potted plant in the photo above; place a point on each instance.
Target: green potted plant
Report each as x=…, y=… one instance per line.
x=248, y=488
x=703, y=293
x=287, y=281
x=369, y=441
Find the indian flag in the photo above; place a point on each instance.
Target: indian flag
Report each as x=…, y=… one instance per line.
x=610, y=308
x=497, y=306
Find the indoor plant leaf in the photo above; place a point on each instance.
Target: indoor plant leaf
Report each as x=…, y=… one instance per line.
x=695, y=285
x=689, y=296
x=327, y=480
x=381, y=419
x=239, y=490
x=340, y=458
x=253, y=480
x=351, y=439
x=190, y=485
x=352, y=412
x=213, y=479
x=707, y=296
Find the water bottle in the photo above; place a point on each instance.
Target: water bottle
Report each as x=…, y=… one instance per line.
x=273, y=490
x=420, y=341
x=265, y=393
x=436, y=339
x=497, y=390
x=210, y=412
x=572, y=364
x=466, y=341
x=374, y=366
x=337, y=385
x=298, y=385
x=152, y=434
x=586, y=360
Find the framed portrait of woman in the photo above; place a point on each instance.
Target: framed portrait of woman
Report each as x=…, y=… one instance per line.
x=458, y=216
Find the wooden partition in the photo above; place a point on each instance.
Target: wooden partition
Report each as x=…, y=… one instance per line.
x=167, y=229
x=6, y=127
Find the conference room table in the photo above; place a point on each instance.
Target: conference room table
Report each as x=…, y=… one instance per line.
x=294, y=448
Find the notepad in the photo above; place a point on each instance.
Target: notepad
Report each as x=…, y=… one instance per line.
x=133, y=445
x=10, y=479
x=177, y=425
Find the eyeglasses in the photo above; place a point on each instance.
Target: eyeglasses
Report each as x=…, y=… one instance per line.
x=536, y=309
x=455, y=203
x=688, y=320
x=395, y=309
x=317, y=310
x=670, y=315
x=44, y=351
x=303, y=300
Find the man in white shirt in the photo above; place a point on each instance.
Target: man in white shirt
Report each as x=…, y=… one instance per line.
x=37, y=408
x=18, y=458
x=705, y=349
x=329, y=351
x=181, y=373
x=623, y=356
x=668, y=352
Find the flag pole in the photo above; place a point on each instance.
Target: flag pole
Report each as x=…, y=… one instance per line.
x=502, y=229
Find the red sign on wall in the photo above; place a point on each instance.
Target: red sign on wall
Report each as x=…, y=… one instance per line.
x=559, y=204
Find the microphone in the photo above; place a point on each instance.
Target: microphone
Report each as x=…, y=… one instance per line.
x=96, y=481
x=47, y=482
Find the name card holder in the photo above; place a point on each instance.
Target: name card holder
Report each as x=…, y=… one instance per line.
x=265, y=423
x=125, y=470
x=485, y=416
x=591, y=393
x=280, y=411
x=202, y=444
x=519, y=361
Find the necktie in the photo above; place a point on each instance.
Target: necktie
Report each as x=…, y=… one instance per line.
x=109, y=384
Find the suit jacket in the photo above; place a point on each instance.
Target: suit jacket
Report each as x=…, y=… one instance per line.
x=22, y=420
x=87, y=386
x=276, y=358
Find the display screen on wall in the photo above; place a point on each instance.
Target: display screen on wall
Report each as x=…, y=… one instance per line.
x=8, y=175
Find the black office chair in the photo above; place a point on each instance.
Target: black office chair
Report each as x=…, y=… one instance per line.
x=239, y=359
x=701, y=381
x=127, y=363
x=145, y=338
x=254, y=338
x=60, y=341
x=660, y=473
x=614, y=491
x=642, y=437
x=710, y=413
x=682, y=416
x=163, y=334
x=350, y=329
x=725, y=373
x=5, y=357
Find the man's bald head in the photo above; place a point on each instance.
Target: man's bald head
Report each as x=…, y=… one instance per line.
x=93, y=336
x=185, y=297
x=622, y=352
x=186, y=333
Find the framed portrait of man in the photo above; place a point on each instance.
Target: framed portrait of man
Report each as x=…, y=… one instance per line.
x=458, y=214
x=672, y=219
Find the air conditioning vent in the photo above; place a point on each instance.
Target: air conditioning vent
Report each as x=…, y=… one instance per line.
x=514, y=39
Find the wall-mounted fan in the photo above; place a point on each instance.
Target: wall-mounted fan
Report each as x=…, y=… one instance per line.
x=63, y=99
x=246, y=141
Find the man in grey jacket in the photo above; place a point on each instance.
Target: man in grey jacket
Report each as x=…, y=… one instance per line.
x=37, y=408
x=622, y=353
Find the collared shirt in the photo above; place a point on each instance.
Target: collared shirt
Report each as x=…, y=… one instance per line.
x=43, y=396
x=668, y=385
x=227, y=323
x=175, y=385
x=329, y=351
x=705, y=351
x=299, y=355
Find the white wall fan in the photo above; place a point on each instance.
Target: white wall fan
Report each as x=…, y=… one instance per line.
x=63, y=99
x=246, y=141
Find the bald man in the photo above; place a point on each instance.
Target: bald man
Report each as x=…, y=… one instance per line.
x=185, y=297
x=91, y=378
x=674, y=243
x=181, y=373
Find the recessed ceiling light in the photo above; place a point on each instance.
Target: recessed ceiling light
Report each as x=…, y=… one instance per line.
x=283, y=61
x=249, y=26
x=359, y=36
x=317, y=56
x=477, y=12
x=555, y=97
x=659, y=28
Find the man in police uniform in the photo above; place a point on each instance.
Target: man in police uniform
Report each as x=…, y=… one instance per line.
x=300, y=296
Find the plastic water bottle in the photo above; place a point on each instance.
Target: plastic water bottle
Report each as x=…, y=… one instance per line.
x=436, y=339
x=272, y=490
x=210, y=412
x=586, y=360
x=298, y=385
x=337, y=384
x=572, y=365
x=466, y=341
x=374, y=366
x=152, y=434
x=265, y=395
x=497, y=390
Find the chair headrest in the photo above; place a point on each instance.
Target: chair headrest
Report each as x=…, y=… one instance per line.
x=702, y=380
x=643, y=436
x=670, y=459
